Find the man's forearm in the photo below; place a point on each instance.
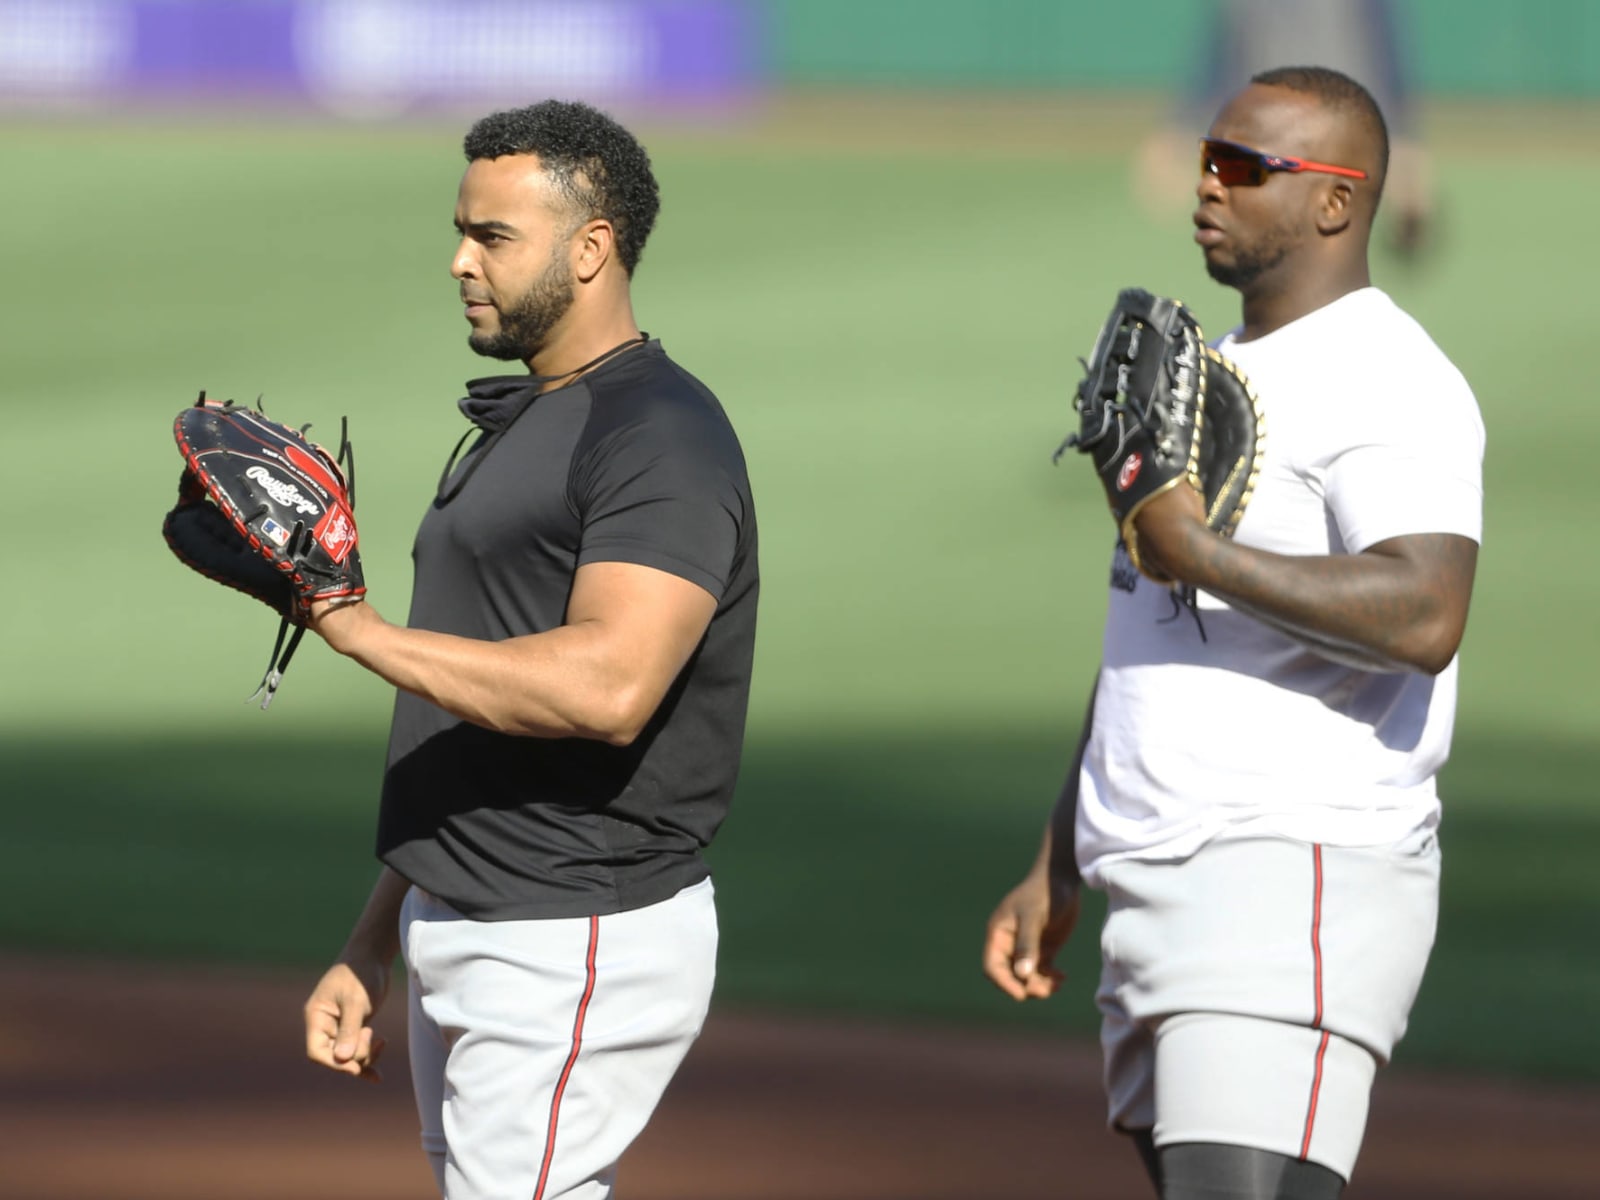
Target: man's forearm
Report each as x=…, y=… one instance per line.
x=553, y=684
x=376, y=932
x=628, y=632
x=1058, y=851
x=1400, y=605
x=1375, y=610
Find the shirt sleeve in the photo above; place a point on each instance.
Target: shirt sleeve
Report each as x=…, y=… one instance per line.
x=662, y=487
x=1422, y=472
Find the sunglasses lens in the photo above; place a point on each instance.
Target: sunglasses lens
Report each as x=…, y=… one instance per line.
x=1233, y=167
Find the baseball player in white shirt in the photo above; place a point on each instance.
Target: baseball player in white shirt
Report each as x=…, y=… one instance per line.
x=1254, y=788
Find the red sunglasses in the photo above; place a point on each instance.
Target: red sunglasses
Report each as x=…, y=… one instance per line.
x=1240, y=166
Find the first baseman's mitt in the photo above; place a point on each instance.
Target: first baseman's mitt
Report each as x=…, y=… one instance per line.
x=263, y=510
x=1157, y=408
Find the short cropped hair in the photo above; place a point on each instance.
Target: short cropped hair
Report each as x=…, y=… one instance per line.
x=1338, y=92
x=595, y=163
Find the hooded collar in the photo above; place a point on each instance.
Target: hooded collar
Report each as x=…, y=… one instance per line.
x=493, y=402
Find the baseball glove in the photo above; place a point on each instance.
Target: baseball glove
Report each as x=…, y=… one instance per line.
x=265, y=511
x=1158, y=408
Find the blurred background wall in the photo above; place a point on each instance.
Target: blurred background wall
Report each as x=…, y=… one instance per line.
x=1469, y=47
x=377, y=56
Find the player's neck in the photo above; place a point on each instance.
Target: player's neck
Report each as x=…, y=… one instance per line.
x=1267, y=308
x=581, y=348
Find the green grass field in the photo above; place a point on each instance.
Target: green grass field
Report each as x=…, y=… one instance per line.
x=893, y=325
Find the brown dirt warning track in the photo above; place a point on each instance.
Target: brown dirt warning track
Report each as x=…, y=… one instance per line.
x=129, y=1082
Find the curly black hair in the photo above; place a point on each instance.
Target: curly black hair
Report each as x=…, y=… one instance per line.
x=1339, y=92
x=596, y=163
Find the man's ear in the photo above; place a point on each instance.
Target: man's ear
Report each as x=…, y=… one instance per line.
x=596, y=243
x=1337, y=207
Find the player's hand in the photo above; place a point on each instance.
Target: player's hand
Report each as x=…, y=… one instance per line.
x=339, y=1033
x=1025, y=933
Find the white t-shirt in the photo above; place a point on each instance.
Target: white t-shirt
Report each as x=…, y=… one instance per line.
x=1371, y=433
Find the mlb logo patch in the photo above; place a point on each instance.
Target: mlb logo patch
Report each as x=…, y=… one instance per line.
x=271, y=529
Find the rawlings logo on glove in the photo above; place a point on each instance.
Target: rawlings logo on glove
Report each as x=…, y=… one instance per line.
x=283, y=493
x=1158, y=408
x=263, y=510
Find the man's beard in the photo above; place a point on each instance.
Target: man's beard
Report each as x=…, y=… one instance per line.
x=1247, y=266
x=526, y=324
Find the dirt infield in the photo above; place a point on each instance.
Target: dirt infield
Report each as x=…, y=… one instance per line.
x=131, y=1083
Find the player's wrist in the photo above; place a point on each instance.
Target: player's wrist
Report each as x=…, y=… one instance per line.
x=369, y=954
x=341, y=620
x=1170, y=531
x=1064, y=879
x=371, y=946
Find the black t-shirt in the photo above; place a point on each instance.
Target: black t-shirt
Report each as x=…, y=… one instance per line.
x=635, y=462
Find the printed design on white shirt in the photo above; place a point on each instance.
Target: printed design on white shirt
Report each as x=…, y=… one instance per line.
x=1124, y=575
x=1125, y=578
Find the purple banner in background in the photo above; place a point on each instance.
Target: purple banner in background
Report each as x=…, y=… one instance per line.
x=380, y=57
x=241, y=46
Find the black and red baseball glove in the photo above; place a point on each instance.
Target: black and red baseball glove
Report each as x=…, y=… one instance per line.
x=265, y=511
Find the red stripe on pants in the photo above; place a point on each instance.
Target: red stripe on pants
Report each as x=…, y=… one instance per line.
x=1316, y=1021
x=572, y=1059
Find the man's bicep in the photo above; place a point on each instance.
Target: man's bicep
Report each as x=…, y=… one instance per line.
x=1444, y=564
x=651, y=618
x=1440, y=568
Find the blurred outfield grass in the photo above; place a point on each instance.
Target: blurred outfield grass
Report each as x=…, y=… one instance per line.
x=890, y=302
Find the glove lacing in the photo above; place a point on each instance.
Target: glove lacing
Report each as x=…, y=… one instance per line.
x=281, y=653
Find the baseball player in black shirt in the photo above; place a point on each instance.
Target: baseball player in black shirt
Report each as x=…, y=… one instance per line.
x=571, y=693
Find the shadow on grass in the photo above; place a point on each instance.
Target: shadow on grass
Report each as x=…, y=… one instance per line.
x=854, y=874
